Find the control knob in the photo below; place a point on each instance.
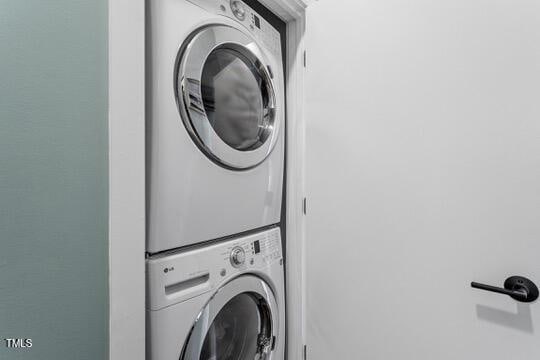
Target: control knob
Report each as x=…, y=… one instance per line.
x=238, y=9
x=238, y=256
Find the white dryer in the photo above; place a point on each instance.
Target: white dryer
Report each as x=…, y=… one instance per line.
x=220, y=302
x=215, y=132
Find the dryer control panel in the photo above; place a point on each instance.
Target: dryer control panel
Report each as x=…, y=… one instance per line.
x=176, y=277
x=245, y=15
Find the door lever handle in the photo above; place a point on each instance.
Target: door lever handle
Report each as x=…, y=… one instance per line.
x=517, y=287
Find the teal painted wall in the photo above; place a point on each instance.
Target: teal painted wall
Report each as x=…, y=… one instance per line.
x=54, y=178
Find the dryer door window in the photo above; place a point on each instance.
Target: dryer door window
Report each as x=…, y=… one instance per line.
x=236, y=100
x=235, y=327
x=226, y=96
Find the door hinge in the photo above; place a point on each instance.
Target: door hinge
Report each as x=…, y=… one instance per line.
x=305, y=58
x=305, y=352
x=304, y=206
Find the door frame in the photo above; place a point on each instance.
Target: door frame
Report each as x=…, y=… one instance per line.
x=293, y=12
x=127, y=206
x=127, y=199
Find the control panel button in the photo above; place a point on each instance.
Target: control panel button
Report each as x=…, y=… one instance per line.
x=238, y=9
x=238, y=256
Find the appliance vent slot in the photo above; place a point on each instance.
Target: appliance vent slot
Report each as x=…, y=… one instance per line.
x=186, y=284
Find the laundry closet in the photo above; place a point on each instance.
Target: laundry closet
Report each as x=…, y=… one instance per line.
x=269, y=179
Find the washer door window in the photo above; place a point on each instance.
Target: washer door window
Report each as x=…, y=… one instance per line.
x=239, y=323
x=226, y=97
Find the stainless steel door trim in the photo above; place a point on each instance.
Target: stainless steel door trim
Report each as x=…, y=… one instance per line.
x=243, y=284
x=190, y=63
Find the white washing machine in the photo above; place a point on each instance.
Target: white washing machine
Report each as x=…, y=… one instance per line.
x=215, y=121
x=219, y=302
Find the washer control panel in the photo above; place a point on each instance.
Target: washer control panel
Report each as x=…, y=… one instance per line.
x=255, y=251
x=179, y=276
x=242, y=13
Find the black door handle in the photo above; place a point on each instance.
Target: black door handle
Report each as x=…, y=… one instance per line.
x=517, y=287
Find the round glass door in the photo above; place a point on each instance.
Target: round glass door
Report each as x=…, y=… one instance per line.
x=236, y=100
x=226, y=97
x=237, y=330
x=235, y=326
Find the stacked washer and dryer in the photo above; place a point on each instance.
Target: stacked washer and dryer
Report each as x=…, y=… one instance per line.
x=215, y=277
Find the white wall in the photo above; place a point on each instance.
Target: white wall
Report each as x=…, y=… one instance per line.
x=423, y=145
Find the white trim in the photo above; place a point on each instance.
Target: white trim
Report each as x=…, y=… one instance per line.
x=127, y=176
x=288, y=10
x=126, y=179
x=295, y=190
x=294, y=13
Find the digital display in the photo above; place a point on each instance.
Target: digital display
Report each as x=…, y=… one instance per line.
x=257, y=21
x=256, y=247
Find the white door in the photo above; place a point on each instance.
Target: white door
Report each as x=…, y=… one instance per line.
x=423, y=175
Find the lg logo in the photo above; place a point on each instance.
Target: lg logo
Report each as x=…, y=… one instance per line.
x=18, y=343
x=166, y=270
